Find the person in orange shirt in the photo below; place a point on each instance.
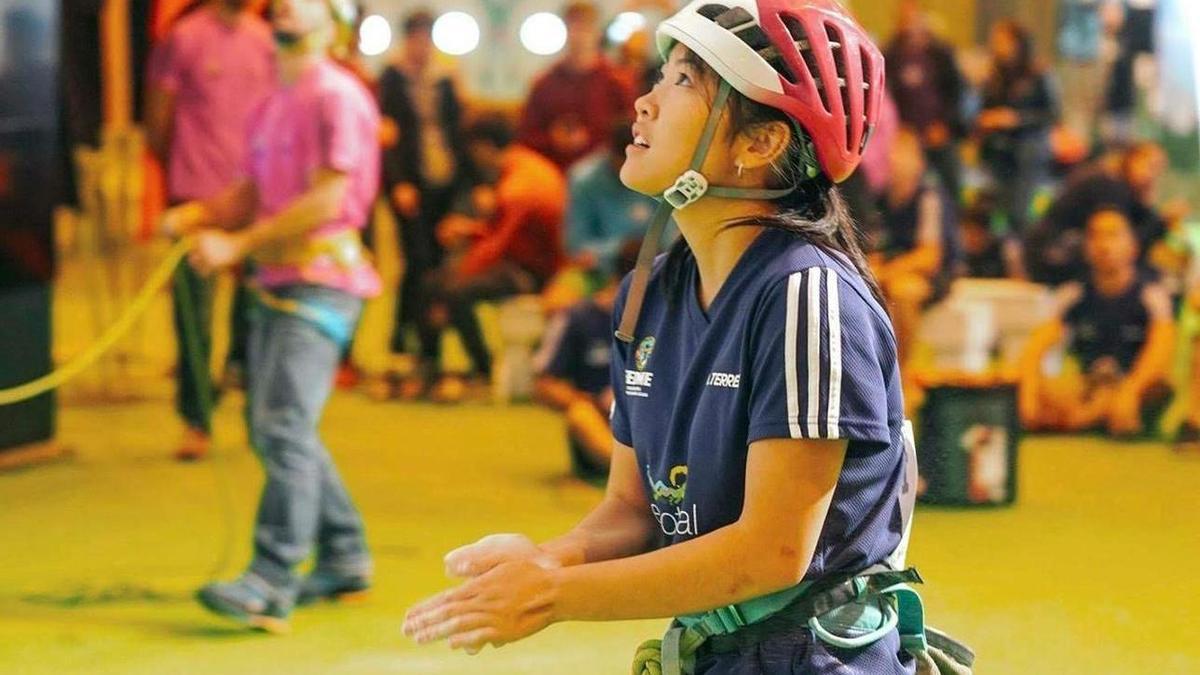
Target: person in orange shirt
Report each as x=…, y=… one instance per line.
x=511, y=244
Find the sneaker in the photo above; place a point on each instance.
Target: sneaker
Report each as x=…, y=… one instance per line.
x=1188, y=438
x=347, y=376
x=334, y=587
x=250, y=601
x=449, y=390
x=194, y=446
x=413, y=388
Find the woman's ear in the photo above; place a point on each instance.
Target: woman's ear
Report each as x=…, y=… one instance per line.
x=762, y=144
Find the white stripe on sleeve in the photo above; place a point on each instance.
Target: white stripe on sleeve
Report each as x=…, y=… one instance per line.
x=835, y=356
x=789, y=354
x=814, y=350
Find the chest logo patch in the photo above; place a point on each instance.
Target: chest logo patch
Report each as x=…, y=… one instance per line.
x=642, y=356
x=639, y=381
x=674, y=493
x=674, y=519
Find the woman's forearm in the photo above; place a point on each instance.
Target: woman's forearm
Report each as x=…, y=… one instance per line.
x=614, y=529
x=720, y=568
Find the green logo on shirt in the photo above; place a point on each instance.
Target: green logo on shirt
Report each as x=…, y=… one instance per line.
x=642, y=355
x=674, y=493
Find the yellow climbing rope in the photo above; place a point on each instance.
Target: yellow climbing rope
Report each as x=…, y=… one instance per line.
x=158, y=278
x=648, y=660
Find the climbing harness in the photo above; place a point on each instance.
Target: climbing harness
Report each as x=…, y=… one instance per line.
x=848, y=613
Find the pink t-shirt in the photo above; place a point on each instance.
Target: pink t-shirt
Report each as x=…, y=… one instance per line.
x=326, y=120
x=219, y=74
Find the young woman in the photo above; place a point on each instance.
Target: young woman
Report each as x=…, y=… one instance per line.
x=1020, y=106
x=760, y=451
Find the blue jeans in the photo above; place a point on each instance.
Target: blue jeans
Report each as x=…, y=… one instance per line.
x=304, y=503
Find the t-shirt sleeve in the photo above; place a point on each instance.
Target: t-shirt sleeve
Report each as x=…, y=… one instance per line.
x=347, y=134
x=619, y=416
x=820, y=362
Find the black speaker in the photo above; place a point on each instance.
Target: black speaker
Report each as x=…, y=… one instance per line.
x=967, y=448
x=30, y=165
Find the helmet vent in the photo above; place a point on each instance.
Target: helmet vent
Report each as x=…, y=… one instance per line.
x=712, y=11
x=839, y=60
x=743, y=24
x=869, y=112
x=796, y=29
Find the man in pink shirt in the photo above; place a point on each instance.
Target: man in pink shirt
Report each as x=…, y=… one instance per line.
x=214, y=67
x=310, y=177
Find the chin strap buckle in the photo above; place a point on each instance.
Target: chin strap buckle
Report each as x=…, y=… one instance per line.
x=689, y=187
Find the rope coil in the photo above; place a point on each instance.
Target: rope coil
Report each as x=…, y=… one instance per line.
x=158, y=279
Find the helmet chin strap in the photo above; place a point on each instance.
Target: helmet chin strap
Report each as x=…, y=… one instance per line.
x=689, y=187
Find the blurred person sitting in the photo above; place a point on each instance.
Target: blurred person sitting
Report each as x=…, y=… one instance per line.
x=1118, y=328
x=915, y=246
x=928, y=90
x=601, y=212
x=572, y=106
x=573, y=370
x=424, y=167
x=308, y=183
x=1020, y=107
x=1182, y=260
x=988, y=252
x=514, y=246
x=206, y=77
x=1127, y=181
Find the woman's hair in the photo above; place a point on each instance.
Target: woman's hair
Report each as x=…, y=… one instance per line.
x=814, y=211
x=1025, y=62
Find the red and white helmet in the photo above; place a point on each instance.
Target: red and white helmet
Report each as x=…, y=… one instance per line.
x=808, y=58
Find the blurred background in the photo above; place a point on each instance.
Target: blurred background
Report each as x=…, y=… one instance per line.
x=1030, y=202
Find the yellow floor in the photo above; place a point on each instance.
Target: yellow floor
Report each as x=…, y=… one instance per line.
x=1090, y=573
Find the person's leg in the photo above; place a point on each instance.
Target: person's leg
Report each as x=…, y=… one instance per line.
x=239, y=325
x=946, y=165
x=1002, y=170
x=1063, y=404
x=413, y=254
x=1032, y=167
x=461, y=296
x=303, y=492
x=189, y=380
x=591, y=440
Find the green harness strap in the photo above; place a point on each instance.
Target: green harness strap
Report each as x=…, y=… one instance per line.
x=754, y=620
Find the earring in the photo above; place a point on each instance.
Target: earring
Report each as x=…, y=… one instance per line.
x=740, y=168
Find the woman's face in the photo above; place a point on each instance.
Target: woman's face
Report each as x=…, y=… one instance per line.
x=1003, y=45
x=670, y=120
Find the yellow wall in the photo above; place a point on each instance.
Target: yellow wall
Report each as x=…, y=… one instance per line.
x=954, y=19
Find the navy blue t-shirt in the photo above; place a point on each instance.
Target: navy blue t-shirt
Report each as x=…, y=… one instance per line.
x=577, y=347
x=793, y=346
